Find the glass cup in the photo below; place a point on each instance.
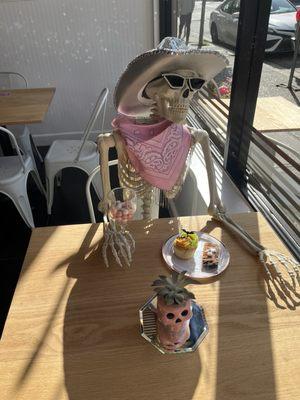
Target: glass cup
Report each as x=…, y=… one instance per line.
x=122, y=203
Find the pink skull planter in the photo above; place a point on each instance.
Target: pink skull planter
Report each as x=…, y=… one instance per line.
x=174, y=310
x=173, y=323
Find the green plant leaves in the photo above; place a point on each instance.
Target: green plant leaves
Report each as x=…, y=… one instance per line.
x=172, y=289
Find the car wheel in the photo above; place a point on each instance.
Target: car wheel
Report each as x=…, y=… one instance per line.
x=214, y=33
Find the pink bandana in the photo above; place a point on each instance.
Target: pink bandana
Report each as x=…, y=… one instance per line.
x=158, y=152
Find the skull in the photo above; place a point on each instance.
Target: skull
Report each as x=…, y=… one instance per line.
x=173, y=324
x=170, y=102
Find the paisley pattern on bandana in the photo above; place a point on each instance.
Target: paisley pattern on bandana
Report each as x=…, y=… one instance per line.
x=158, y=152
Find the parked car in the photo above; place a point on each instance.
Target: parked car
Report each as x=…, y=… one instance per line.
x=282, y=25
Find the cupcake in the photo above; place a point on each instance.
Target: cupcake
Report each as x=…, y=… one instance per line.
x=186, y=244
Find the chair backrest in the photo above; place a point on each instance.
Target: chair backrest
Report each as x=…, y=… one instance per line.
x=88, y=189
x=100, y=103
x=8, y=82
x=15, y=145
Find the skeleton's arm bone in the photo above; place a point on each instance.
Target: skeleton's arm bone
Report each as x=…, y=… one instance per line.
x=216, y=208
x=253, y=245
x=215, y=204
x=105, y=142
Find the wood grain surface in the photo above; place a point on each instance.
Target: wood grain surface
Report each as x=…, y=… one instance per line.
x=24, y=106
x=272, y=114
x=73, y=330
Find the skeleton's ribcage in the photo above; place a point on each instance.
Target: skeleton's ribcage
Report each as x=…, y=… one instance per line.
x=148, y=196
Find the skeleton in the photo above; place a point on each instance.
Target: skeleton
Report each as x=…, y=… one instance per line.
x=173, y=104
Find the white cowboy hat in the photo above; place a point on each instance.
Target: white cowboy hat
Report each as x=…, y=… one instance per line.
x=170, y=55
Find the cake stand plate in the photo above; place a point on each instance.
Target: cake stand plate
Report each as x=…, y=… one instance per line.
x=194, y=266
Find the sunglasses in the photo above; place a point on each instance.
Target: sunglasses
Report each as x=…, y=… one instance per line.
x=176, y=81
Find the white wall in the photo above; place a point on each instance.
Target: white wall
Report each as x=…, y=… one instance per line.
x=78, y=46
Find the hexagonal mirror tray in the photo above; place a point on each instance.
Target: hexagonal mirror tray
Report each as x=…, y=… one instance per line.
x=198, y=327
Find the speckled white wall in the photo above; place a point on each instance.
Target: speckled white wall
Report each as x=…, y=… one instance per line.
x=78, y=46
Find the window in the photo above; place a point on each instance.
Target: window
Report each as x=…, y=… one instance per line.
x=228, y=7
x=264, y=164
x=281, y=7
x=236, y=6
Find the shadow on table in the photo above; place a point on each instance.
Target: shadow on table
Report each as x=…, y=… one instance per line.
x=104, y=355
x=245, y=358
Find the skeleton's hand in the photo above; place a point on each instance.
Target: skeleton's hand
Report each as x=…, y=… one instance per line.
x=121, y=243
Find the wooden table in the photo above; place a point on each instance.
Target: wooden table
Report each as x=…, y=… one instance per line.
x=24, y=106
x=73, y=331
x=273, y=114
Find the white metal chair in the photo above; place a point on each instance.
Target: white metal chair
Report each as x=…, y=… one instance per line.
x=82, y=154
x=14, y=171
x=21, y=132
